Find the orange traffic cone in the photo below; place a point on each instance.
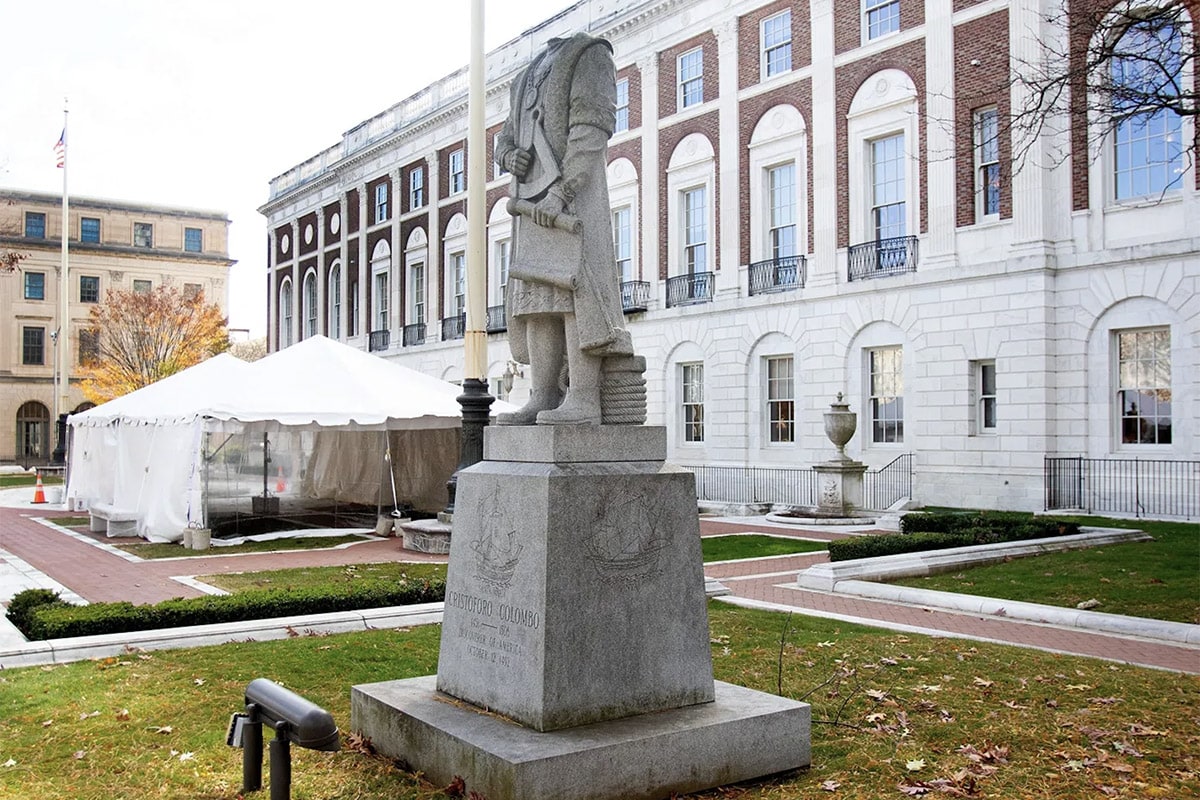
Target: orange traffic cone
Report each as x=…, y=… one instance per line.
x=39, y=493
x=280, y=482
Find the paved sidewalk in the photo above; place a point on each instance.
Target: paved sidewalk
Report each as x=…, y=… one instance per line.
x=90, y=566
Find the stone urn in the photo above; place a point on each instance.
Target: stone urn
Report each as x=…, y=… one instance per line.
x=840, y=424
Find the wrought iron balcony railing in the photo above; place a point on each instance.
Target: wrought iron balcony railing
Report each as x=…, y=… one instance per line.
x=497, y=319
x=685, y=290
x=454, y=327
x=882, y=257
x=635, y=296
x=414, y=334
x=778, y=274
x=380, y=340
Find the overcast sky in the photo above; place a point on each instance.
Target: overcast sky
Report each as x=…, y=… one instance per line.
x=199, y=103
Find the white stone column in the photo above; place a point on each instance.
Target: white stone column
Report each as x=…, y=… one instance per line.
x=396, y=278
x=322, y=273
x=273, y=291
x=730, y=213
x=433, y=260
x=649, y=177
x=297, y=282
x=940, y=195
x=1030, y=180
x=344, y=271
x=825, y=268
x=365, y=322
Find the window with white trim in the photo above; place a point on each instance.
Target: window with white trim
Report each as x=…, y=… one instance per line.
x=622, y=105
x=880, y=17
x=503, y=253
x=381, y=202
x=416, y=188
x=458, y=173
x=352, y=321
x=888, y=211
x=285, y=314
x=984, y=378
x=1144, y=385
x=623, y=242
x=691, y=78
x=781, y=399
x=416, y=293
x=380, y=301
x=775, y=41
x=381, y=285
x=310, y=305
x=695, y=230
x=691, y=393
x=458, y=289
x=781, y=210
x=987, y=163
x=886, y=399
x=1147, y=63
x=335, y=301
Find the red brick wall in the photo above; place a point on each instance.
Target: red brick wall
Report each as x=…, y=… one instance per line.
x=444, y=168
x=351, y=212
x=750, y=39
x=280, y=254
x=635, y=94
x=405, y=172
x=382, y=180
x=909, y=58
x=330, y=236
x=709, y=125
x=751, y=111
x=668, y=72
x=303, y=247
x=976, y=85
x=848, y=21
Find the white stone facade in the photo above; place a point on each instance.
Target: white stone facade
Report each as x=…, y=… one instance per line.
x=1032, y=294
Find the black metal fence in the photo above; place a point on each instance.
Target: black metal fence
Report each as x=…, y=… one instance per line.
x=454, y=327
x=884, y=486
x=414, y=334
x=497, y=319
x=379, y=340
x=1141, y=487
x=882, y=258
x=696, y=287
x=797, y=486
x=777, y=275
x=635, y=296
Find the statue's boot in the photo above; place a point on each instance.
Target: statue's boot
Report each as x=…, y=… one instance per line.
x=540, y=401
x=573, y=411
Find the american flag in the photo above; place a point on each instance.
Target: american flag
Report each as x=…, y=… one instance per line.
x=60, y=149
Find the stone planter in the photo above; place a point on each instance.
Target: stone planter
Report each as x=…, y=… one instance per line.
x=840, y=424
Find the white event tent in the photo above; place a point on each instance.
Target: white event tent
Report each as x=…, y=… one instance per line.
x=171, y=450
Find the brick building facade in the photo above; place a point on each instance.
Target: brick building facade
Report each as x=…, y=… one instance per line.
x=112, y=245
x=809, y=197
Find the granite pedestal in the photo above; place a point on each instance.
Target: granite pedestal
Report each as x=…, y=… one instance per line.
x=575, y=658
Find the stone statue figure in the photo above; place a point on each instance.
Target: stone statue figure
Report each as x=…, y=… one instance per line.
x=563, y=293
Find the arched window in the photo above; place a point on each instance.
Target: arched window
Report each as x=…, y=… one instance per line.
x=33, y=431
x=310, y=304
x=381, y=271
x=334, y=293
x=285, y=314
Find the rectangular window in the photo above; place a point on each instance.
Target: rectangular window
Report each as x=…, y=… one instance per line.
x=458, y=263
x=987, y=163
x=35, y=286
x=35, y=225
x=335, y=303
x=695, y=230
x=691, y=78
x=352, y=312
x=381, y=301
x=89, y=346
x=1146, y=78
x=89, y=230
x=193, y=240
x=622, y=105
x=882, y=17
x=623, y=242
x=781, y=403
x=89, y=289
x=776, y=38
x=381, y=202
x=887, y=394
x=888, y=217
x=417, y=271
x=33, y=346
x=1144, y=385
x=503, y=256
x=416, y=188
x=458, y=173
x=985, y=397
x=1148, y=154
x=692, y=394
x=781, y=188
x=142, y=287
x=143, y=234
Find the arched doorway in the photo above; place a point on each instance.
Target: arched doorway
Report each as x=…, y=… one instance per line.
x=33, y=433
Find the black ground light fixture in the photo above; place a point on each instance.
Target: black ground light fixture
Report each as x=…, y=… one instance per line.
x=293, y=718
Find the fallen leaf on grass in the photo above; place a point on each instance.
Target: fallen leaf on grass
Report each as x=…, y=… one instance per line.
x=186, y=756
x=85, y=715
x=830, y=786
x=80, y=755
x=198, y=681
x=10, y=763
x=123, y=715
x=983, y=683
x=826, y=644
x=1078, y=687
x=915, y=765
x=161, y=729
x=457, y=787
x=875, y=694
x=47, y=723
x=1015, y=704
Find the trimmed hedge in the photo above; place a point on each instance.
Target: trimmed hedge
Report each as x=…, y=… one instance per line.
x=23, y=604
x=938, y=530
x=49, y=621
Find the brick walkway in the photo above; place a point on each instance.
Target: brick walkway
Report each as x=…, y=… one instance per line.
x=100, y=575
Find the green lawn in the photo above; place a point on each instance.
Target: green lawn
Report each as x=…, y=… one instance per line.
x=893, y=715
x=318, y=577
x=9, y=481
x=729, y=548
x=148, y=550
x=1159, y=579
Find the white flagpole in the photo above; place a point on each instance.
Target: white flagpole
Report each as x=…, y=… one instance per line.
x=475, y=346
x=64, y=287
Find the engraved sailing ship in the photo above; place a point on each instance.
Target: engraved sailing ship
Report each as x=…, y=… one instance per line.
x=497, y=550
x=626, y=546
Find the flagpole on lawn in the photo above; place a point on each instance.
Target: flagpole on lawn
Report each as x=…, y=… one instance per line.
x=62, y=400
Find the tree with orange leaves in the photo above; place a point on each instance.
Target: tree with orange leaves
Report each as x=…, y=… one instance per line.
x=141, y=337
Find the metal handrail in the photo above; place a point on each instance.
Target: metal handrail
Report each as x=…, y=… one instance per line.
x=881, y=258
x=778, y=274
x=695, y=287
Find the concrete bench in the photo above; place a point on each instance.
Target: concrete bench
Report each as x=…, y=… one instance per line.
x=112, y=520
